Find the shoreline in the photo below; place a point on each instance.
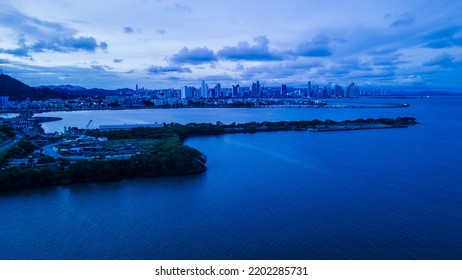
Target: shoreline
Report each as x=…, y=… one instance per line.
x=275, y=106
x=169, y=156
x=46, y=119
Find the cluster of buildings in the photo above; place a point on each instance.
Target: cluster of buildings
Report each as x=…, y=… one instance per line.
x=257, y=90
x=187, y=95
x=94, y=103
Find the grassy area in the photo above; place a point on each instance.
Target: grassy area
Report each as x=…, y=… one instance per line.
x=140, y=145
x=111, y=147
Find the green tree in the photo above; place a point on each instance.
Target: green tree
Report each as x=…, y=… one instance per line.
x=46, y=160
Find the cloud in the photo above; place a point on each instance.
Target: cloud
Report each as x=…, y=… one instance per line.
x=444, y=38
x=278, y=72
x=4, y=61
x=83, y=76
x=444, y=60
x=400, y=20
x=22, y=24
x=43, y=35
x=128, y=29
x=173, y=78
x=98, y=67
x=21, y=51
x=354, y=64
x=101, y=67
x=167, y=69
x=386, y=59
x=346, y=66
x=318, y=47
x=183, y=8
x=178, y=8
x=118, y=60
x=380, y=75
x=244, y=51
x=69, y=44
x=220, y=78
x=382, y=52
x=194, y=56
x=160, y=31
x=60, y=45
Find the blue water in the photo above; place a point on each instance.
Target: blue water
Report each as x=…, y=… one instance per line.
x=377, y=194
x=205, y=115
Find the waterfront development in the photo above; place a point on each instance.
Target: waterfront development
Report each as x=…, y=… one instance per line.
x=247, y=138
x=362, y=194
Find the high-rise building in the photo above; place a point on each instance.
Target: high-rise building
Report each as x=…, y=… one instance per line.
x=236, y=91
x=309, y=92
x=338, y=91
x=4, y=101
x=218, y=91
x=352, y=91
x=324, y=92
x=204, y=90
x=187, y=92
x=256, y=90
x=284, y=90
x=316, y=91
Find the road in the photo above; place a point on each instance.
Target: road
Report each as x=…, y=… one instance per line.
x=48, y=149
x=10, y=144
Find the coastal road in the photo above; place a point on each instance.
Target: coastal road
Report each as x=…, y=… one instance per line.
x=48, y=149
x=10, y=144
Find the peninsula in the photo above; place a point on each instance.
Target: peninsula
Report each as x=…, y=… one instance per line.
x=161, y=151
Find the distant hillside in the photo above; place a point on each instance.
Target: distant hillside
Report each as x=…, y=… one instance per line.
x=17, y=90
x=63, y=87
x=94, y=91
x=81, y=91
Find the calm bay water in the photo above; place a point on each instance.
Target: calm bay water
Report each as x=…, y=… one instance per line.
x=210, y=115
x=378, y=194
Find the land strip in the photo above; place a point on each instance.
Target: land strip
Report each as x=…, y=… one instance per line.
x=161, y=151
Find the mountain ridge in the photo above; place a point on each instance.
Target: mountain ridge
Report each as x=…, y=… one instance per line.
x=18, y=91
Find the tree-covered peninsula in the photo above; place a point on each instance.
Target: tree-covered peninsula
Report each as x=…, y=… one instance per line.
x=167, y=156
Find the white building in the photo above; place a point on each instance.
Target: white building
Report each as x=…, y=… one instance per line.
x=4, y=101
x=204, y=90
x=187, y=92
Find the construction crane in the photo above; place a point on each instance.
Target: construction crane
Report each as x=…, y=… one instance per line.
x=85, y=129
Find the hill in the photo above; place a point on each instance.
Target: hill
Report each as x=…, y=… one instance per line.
x=17, y=90
x=64, y=88
x=81, y=91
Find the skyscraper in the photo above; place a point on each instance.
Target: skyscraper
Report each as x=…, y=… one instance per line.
x=309, y=92
x=236, y=91
x=204, y=90
x=352, y=91
x=283, y=90
x=256, y=90
x=338, y=91
x=218, y=91
x=187, y=92
x=315, y=91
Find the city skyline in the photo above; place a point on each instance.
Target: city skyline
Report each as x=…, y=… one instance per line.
x=162, y=44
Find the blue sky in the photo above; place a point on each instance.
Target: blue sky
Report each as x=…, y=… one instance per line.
x=397, y=44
